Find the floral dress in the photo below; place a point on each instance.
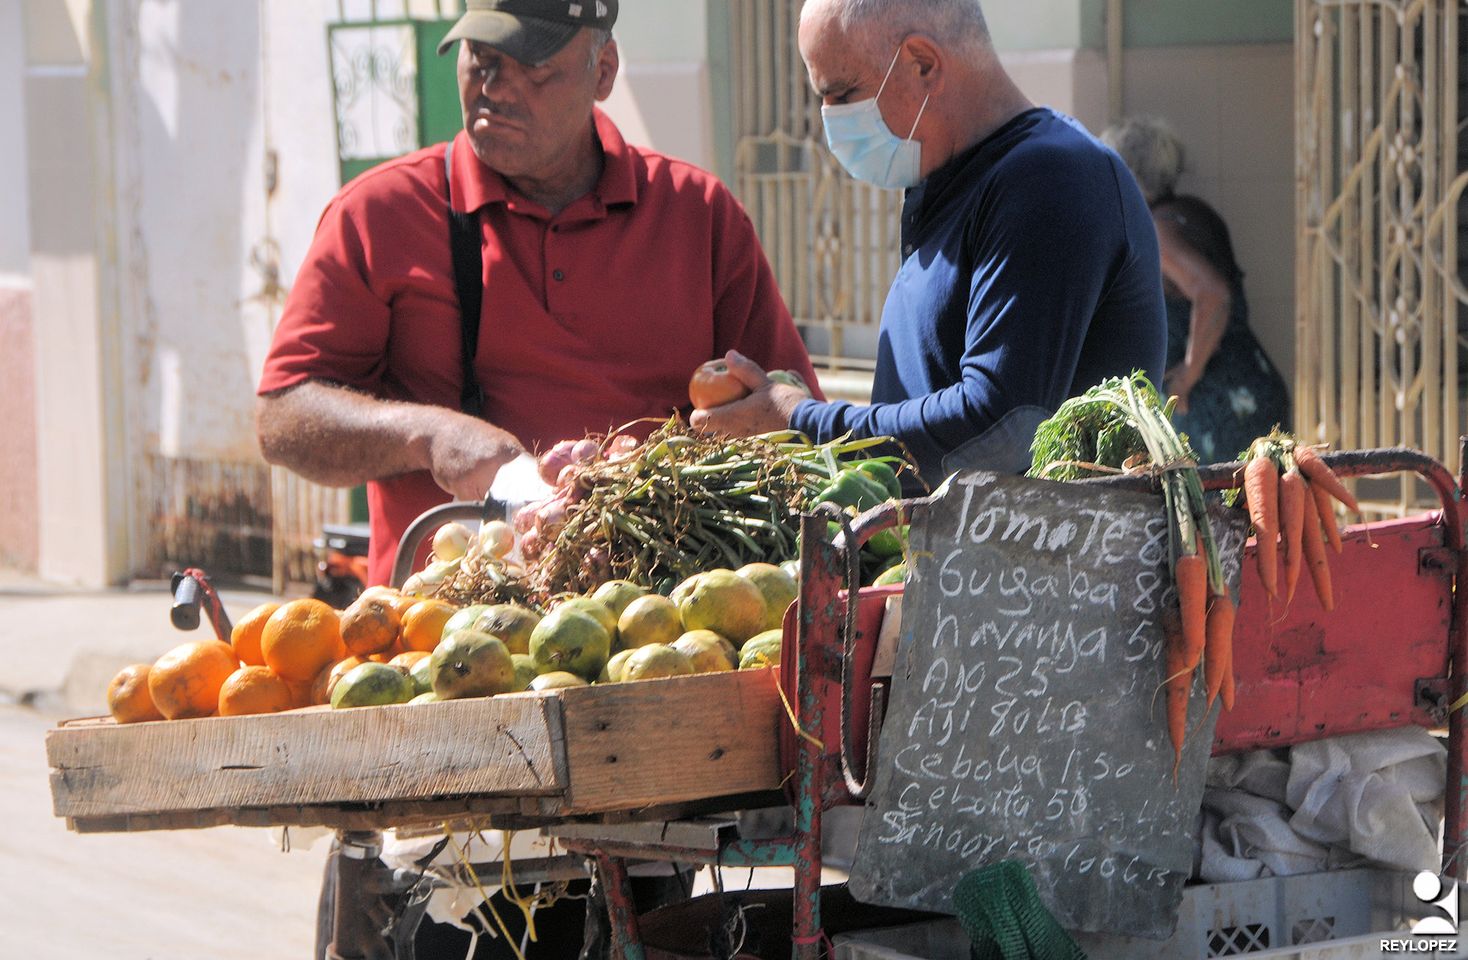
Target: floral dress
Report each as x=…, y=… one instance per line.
x=1241, y=394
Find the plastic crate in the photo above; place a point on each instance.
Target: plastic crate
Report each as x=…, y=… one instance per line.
x=1321, y=916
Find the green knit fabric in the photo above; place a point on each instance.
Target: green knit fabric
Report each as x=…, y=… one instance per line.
x=1003, y=917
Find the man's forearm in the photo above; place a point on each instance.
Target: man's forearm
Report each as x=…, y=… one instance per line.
x=338, y=437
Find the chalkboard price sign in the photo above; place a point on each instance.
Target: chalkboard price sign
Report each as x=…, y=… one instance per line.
x=1027, y=719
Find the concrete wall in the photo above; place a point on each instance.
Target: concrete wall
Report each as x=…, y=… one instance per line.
x=662, y=98
x=191, y=207
x=81, y=419
x=15, y=252
x=1233, y=107
x=19, y=492
x=18, y=487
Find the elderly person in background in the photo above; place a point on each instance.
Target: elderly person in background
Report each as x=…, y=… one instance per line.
x=1029, y=269
x=1228, y=390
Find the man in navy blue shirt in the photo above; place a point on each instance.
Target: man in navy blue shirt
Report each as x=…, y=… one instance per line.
x=1030, y=268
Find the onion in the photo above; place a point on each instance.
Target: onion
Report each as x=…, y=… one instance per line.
x=621, y=447
x=439, y=571
x=551, y=518
x=585, y=450
x=496, y=539
x=524, y=518
x=554, y=460
x=451, y=541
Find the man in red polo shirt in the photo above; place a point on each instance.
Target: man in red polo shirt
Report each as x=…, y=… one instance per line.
x=609, y=274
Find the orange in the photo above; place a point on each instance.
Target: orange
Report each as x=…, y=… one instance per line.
x=128, y=697
x=407, y=659
x=423, y=624
x=326, y=680
x=301, y=692
x=300, y=638
x=254, y=690
x=185, y=681
x=714, y=384
x=245, y=637
x=401, y=603
x=370, y=625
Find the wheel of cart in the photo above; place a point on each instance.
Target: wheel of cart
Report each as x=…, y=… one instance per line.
x=1304, y=677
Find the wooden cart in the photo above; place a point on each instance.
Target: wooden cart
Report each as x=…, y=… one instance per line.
x=654, y=751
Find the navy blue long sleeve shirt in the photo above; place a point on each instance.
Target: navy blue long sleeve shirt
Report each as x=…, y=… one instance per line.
x=1030, y=272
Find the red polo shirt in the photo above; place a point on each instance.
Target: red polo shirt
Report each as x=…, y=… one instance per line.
x=592, y=318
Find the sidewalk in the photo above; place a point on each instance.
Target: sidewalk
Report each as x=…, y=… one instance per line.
x=226, y=893
x=64, y=646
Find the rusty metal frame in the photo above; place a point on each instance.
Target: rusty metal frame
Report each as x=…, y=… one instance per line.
x=818, y=651
x=822, y=649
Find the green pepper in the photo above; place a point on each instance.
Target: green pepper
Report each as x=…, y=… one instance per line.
x=888, y=543
x=897, y=573
x=853, y=488
x=884, y=475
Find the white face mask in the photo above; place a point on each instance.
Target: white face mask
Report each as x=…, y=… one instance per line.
x=863, y=143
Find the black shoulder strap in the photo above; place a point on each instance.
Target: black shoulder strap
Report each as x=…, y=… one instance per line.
x=464, y=242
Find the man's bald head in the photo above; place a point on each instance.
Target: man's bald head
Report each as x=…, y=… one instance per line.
x=881, y=24
x=929, y=65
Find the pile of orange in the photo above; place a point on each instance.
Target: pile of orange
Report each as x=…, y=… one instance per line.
x=279, y=656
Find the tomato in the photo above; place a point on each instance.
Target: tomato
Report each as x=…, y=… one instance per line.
x=714, y=385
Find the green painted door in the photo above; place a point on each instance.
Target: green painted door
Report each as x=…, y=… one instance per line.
x=392, y=92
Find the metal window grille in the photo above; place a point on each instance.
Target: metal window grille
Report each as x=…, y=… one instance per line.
x=391, y=92
x=1380, y=260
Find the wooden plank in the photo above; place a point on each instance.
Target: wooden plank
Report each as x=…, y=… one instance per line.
x=425, y=817
x=667, y=741
x=501, y=746
x=890, y=632
x=700, y=833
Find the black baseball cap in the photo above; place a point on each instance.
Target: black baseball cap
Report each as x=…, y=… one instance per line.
x=531, y=31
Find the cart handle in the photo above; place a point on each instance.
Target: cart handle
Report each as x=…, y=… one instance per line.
x=428, y=522
x=191, y=589
x=847, y=544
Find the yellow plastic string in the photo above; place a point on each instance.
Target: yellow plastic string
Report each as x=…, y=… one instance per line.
x=526, y=905
x=1459, y=704
x=790, y=712
x=474, y=877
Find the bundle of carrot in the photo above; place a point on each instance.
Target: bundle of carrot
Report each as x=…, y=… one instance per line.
x=1123, y=424
x=1289, y=490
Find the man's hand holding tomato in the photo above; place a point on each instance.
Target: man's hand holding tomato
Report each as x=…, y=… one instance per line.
x=766, y=408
